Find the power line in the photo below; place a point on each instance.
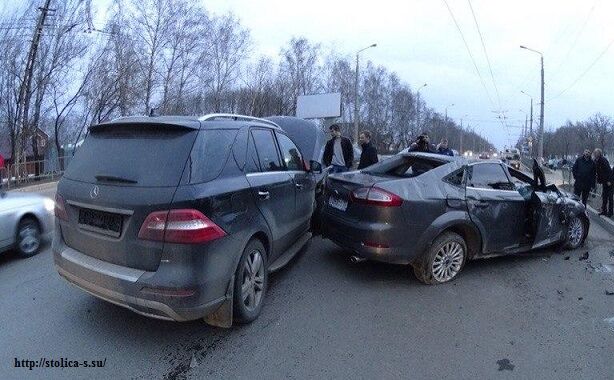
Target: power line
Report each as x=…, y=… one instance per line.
x=575, y=41
x=585, y=71
x=477, y=70
x=492, y=76
x=485, y=53
x=469, y=51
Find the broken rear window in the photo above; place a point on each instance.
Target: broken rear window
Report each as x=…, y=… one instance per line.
x=404, y=166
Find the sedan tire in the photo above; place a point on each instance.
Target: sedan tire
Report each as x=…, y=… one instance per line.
x=576, y=232
x=443, y=261
x=28, y=240
x=251, y=281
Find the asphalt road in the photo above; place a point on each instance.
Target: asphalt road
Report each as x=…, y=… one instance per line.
x=540, y=315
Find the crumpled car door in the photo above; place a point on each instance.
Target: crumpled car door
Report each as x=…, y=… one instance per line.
x=547, y=214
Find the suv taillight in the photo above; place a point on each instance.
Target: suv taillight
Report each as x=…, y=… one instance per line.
x=376, y=196
x=60, y=208
x=180, y=226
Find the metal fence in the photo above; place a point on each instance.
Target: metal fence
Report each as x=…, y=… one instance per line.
x=21, y=174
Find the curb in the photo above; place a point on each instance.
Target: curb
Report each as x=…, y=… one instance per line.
x=35, y=188
x=606, y=223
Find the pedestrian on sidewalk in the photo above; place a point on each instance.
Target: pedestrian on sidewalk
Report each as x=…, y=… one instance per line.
x=584, y=175
x=368, y=156
x=338, y=151
x=604, y=177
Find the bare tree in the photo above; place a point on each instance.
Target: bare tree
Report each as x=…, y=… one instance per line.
x=228, y=47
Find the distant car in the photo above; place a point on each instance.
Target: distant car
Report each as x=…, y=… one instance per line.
x=437, y=212
x=484, y=156
x=26, y=219
x=180, y=218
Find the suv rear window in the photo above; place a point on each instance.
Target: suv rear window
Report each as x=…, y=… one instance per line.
x=144, y=155
x=404, y=166
x=210, y=153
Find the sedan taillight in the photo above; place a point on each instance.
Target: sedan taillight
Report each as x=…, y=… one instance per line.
x=180, y=226
x=60, y=208
x=376, y=197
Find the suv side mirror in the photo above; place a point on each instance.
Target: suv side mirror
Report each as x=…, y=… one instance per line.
x=315, y=167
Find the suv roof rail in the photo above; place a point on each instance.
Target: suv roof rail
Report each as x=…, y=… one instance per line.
x=215, y=116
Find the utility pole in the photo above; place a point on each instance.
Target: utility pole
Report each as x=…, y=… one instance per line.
x=460, y=148
x=540, y=147
x=26, y=84
x=418, y=107
x=540, y=151
x=530, y=138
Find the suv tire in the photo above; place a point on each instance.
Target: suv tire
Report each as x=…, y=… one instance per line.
x=251, y=282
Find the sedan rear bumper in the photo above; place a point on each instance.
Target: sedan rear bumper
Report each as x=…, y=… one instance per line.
x=373, y=241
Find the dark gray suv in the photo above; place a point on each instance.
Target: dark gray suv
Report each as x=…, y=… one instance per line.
x=181, y=218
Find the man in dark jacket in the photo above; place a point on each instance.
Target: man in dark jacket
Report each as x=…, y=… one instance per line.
x=338, y=151
x=584, y=175
x=368, y=156
x=604, y=177
x=422, y=144
x=443, y=148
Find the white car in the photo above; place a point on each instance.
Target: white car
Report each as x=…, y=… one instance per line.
x=26, y=219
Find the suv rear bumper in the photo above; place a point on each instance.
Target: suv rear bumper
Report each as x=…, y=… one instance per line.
x=133, y=288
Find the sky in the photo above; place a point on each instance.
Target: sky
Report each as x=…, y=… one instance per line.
x=419, y=40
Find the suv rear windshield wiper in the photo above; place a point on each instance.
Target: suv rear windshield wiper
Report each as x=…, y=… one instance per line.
x=111, y=178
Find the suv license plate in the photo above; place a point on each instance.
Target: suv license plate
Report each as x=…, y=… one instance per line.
x=337, y=203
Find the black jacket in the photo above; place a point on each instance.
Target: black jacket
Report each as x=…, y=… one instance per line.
x=603, y=169
x=346, y=146
x=423, y=147
x=368, y=156
x=584, y=172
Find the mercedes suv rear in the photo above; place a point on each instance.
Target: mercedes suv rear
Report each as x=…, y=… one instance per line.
x=181, y=218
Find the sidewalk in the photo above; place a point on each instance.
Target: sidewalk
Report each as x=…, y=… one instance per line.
x=594, y=206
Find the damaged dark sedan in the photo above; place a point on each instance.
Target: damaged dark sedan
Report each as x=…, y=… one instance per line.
x=437, y=212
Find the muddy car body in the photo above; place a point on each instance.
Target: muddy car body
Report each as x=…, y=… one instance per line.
x=434, y=212
x=180, y=218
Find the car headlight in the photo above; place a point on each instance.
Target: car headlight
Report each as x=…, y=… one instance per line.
x=49, y=204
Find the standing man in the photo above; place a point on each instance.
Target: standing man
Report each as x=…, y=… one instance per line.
x=338, y=151
x=422, y=144
x=584, y=175
x=368, y=156
x=442, y=148
x=604, y=177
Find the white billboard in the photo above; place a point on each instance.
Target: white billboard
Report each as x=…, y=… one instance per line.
x=318, y=106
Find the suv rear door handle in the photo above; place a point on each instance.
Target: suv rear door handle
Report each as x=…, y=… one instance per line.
x=264, y=194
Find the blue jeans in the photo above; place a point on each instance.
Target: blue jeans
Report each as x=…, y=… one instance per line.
x=338, y=169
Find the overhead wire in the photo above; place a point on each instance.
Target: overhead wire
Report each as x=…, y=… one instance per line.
x=575, y=41
x=492, y=76
x=593, y=63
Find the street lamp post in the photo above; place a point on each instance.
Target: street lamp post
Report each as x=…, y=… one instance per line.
x=418, y=106
x=356, y=94
x=540, y=147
